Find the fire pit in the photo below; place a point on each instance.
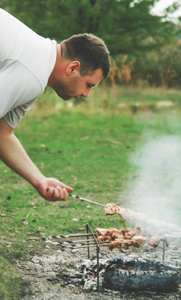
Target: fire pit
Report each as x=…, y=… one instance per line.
x=120, y=272
x=140, y=275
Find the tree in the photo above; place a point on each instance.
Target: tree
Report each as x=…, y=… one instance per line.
x=126, y=26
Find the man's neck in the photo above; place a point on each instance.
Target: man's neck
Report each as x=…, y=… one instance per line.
x=56, y=66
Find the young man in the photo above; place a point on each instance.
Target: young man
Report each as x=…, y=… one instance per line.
x=28, y=63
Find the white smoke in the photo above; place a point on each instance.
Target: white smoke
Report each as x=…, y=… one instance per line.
x=156, y=191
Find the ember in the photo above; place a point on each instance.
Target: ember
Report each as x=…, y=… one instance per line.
x=138, y=265
x=140, y=275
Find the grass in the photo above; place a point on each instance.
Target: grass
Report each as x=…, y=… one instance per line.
x=86, y=145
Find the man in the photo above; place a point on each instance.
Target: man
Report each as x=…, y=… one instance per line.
x=28, y=63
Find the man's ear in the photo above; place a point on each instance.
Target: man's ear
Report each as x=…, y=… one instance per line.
x=72, y=67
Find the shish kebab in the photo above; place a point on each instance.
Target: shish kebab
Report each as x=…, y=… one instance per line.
x=129, y=215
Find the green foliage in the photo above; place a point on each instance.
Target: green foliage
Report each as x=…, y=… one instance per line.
x=126, y=26
x=162, y=68
x=155, y=68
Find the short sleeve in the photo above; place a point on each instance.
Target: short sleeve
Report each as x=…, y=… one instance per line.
x=14, y=116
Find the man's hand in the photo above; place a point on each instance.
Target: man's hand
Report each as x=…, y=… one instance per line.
x=52, y=189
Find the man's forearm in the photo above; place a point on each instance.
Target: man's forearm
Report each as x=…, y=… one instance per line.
x=14, y=156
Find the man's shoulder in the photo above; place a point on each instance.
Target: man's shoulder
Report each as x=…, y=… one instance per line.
x=21, y=43
x=16, y=70
x=19, y=88
x=17, y=83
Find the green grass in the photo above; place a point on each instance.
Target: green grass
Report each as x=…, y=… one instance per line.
x=87, y=146
x=9, y=281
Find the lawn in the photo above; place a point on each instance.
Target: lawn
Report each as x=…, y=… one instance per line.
x=87, y=145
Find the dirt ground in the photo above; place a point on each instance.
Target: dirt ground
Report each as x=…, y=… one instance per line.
x=45, y=276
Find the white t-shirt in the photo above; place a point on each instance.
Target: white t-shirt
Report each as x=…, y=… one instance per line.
x=26, y=62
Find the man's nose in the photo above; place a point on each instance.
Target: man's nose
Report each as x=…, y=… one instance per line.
x=86, y=93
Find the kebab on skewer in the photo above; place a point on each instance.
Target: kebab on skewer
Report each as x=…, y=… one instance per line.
x=129, y=237
x=129, y=215
x=123, y=238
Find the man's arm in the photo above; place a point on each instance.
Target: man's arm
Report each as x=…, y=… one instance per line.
x=15, y=157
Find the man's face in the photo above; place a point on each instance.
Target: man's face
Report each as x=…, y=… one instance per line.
x=76, y=86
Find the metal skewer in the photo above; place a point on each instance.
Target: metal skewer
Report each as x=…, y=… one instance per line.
x=87, y=200
x=74, y=235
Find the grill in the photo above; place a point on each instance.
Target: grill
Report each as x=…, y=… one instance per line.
x=119, y=272
x=78, y=241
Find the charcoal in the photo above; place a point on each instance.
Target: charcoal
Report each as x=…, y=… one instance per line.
x=137, y=276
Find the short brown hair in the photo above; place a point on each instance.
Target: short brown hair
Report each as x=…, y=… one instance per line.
x=90, y=50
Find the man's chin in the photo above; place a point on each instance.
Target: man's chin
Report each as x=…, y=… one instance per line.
x=65, y=98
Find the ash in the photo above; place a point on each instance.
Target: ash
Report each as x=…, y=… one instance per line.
x=65, y=275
